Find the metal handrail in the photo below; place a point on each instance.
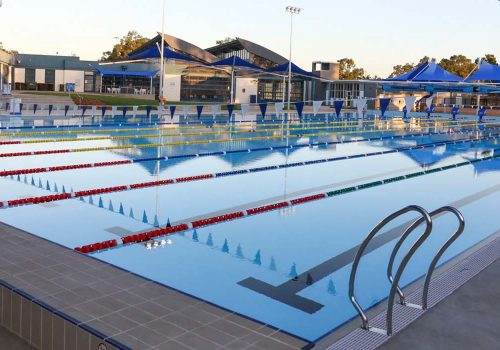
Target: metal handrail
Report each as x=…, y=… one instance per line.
x=359, y=255
x=402, y=267
x=441, y=251
x=410, y=229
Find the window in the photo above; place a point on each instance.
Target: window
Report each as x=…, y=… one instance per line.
x=29, y=76
x=50, y=76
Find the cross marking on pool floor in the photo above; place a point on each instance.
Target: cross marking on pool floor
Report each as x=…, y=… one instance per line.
x=287, y=292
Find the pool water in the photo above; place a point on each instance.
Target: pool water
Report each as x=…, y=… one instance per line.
x=287, y=268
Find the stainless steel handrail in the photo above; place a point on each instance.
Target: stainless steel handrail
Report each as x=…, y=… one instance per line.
x=441, y=251
x=426, y=217
x=402, y=267
x=410, y=229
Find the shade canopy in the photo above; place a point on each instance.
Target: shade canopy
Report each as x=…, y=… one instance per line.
x=428, y=72
x=296, y=70
x=126, y=72
x=236, y=62
x=153, y=52
x=486, y=72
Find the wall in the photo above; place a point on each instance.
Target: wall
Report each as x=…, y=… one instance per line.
x=40, y=76
x=172, y=88
x=19, y=75
x=244, y=88
x=75, y=77
x=59, y=79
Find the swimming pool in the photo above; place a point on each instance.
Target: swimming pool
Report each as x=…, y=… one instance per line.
x=288, y=267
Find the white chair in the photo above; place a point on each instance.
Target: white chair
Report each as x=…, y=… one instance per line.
x=108, y=90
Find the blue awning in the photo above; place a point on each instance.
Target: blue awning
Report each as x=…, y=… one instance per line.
x=236, y=62
x=126, y=72
x=428, y=72
x=411, y=74
x=153, y=52
x=434, y=73
x=486, y=71
x=296, y=70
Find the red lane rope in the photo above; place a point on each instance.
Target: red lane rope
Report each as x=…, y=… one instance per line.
x=167, y=231
x=63, y=167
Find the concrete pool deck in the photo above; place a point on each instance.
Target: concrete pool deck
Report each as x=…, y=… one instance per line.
x=55, y=298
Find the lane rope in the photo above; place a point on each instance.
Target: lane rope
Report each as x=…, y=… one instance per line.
x=222, y=153
x=168, y=231
x=166, y=182
x=194, y=142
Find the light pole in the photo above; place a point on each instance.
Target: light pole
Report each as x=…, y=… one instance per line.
x=292, y=11
x=162, y=57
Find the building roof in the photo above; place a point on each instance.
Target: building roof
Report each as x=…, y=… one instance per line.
x=180, y=46
x=53, y=62
x=5, y=57
x=251, y=47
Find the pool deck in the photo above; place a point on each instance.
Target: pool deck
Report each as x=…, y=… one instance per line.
x=467, y=319
x=463, y=309
x=56, y=298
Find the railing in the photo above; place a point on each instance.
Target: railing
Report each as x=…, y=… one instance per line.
x=395, y=289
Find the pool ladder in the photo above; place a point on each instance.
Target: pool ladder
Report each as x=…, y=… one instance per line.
x=394, y=280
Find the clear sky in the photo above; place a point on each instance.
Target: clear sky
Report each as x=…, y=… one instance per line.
x=377, y=34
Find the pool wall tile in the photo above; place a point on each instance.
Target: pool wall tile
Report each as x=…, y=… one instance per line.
x=69, y=336
x=36, y=325
x=16, y=305
x=57, y=332
x=82, y=339
x=46, y=329
x=6, y=308
x=26, y=319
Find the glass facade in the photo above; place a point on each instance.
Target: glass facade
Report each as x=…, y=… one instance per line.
x=346, y=91
x=241, y=53
x=270, y=90
x=126, y=84
x=205, y=84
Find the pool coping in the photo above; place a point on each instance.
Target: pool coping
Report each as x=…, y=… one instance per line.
x=257, y=334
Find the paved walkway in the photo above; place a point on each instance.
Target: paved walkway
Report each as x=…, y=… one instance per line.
x=467, y=319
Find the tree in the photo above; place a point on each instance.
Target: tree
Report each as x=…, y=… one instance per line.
x=490, y=58
x=349, y=71
x=226, y=40
x=458, y=65
x=127, y=44
x=405, y=68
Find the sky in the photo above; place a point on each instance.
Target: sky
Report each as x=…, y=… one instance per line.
x=376, y=34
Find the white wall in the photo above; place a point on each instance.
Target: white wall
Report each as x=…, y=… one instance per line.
x=75, y=77
x=40, y=76
x=244, y=88
x=19, y=75
x=172, y=89
x=59, y=79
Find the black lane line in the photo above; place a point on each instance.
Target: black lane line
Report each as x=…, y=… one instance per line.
x=286, y=293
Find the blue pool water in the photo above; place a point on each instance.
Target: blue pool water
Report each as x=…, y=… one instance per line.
x=248, y=265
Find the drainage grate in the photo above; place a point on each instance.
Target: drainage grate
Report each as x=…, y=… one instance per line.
x=441, y=287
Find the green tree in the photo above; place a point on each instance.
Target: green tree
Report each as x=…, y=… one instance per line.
x=125, y=46
x=490, y=58
x=405, y=68
x=225, y=40
x=349, y=71
x=458, y=65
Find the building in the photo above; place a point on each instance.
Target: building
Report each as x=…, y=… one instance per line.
x=6, y=64
x=265, y=88
x=53, y=73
